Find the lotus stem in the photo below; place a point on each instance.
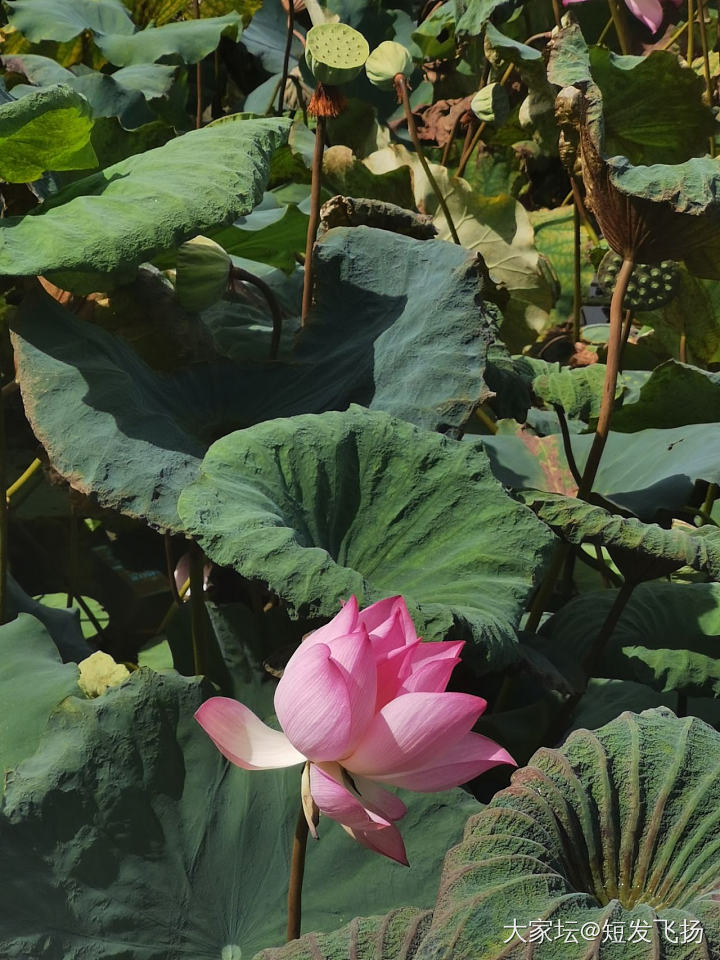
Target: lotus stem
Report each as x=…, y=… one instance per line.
x=706, y=66
x=170, y=566
x=567, y=445
x=286, y=56
x=198, y=77
x=21, y=481
x=592, y=658
x=297, y=871
x=611, y=375
x=627, y=327
x=468, y=150
x=562, y=551
x=605, y=31
x=238, y=273
x=197, y=610
x=558, y=12
x=314, y=220
x=676, y=36
x=690, y=56
x=3, y=515
x=710, y=498
x=577, y=275
x=401, y=86
x=617, y=11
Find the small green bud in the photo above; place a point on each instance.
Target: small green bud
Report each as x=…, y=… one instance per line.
x=335, y=53
x=385, y=62
x=491, y=104
x=202, y=272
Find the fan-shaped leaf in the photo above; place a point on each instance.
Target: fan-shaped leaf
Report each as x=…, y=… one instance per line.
x=127, y=830
x=45, y=130
x=618, y=827
x=190, y=40
x=114, y=220
x=321, y=507
x=666, y=638
x=58, y=20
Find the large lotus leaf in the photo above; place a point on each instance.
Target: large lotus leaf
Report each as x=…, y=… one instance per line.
x=666, y=638
x=124, y=95
x=59, y=20
x=674, y=394
x=322, y=507
x=127, y=834
x=694, y=313
x=619, y=826
x=133, y=436
x=273, y=233
x=32, y=683
x=190, y=40
x=45, y=130
x=662, y=211
x=62, y=623
x=393, y=937
x=578, y=522
x=112, y=221
x=498, y=228
x=554, y=238
x=644, y=472
x=478, y=13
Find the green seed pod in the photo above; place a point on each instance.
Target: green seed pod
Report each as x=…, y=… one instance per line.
x=335, y=53
x=385, y=62
x=491, y=104
x=648, y=288
x=202, y=273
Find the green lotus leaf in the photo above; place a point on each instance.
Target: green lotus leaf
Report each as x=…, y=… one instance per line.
x=393, y=937
x=674, y=394
x=127, y=830
x=136, y=208
x=57, y=20
x=271, y=234
x=554, y=238
x=436, y=34
x=478, y=13
x=498, y=228
x=126, y=94
x=670, y=209
x=579, y=522
x=335, y=53
x=386, y=61
x=695, y=315
x=132, y=437
x=350, y=177
x=189, y=40
x=322, y=507
x=491, y=104
x=26, y=641
x=619, y=826
x=666, y=637
x=644, y=472
x=45, y=130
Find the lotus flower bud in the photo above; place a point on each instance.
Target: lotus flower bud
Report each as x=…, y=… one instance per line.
x=491, y=104
x=385, y=62
x=335, y=53
x=203, y=269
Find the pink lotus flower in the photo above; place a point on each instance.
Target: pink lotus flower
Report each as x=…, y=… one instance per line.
x=649, y=11
x=364, y=701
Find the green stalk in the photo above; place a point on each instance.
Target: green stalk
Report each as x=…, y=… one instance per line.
x=691, y=32
x=611, y=374
x=314, y=220
x=619, y=15
x=402, y=88
x=286, y=56
x=198, y=77
x=198, y=615
x=706, y=65
x=592, y=658
x=577, y=276
x=297, y=871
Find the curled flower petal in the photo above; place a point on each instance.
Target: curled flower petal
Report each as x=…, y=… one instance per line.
x=413, y=729
x=389, y=624
x=468, y=758
x=387, y=841
x=326, y=697
x=243, y=738
x=431, y=666
x=649, y=11
x=336, y=801
x=341, y=625
x=380, y=801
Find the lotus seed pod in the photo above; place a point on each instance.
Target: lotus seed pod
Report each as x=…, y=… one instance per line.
x=649, y=288
x=385, y=62
x=491, y=104
x=203, y=269
x=335, y=53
